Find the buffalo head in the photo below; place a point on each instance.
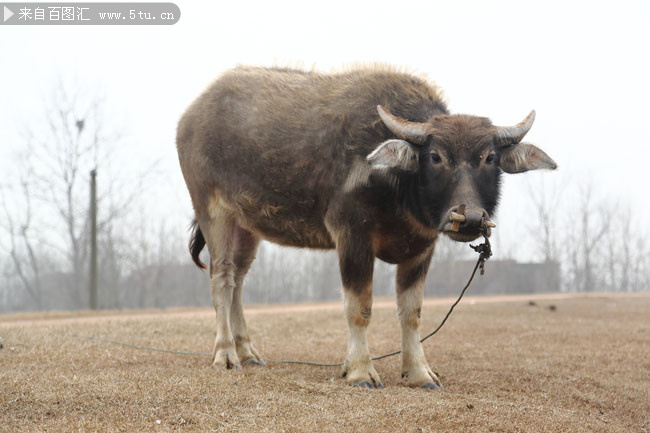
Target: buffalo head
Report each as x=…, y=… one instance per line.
x=454, y=163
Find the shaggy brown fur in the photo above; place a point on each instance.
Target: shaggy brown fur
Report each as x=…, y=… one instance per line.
x=304, y=159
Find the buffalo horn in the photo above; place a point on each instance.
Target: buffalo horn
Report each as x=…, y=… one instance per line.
x=509, y=135
x=411, y=131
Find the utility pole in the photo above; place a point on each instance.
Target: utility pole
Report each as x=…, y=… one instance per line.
x=93, y=239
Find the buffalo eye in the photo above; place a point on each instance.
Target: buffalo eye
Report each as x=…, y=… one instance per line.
x=435, y=158
x=490, y=158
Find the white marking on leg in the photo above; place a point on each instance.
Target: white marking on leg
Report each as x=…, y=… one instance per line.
x=415, y=368
x=409, y=307
x=357, y=326
x=358, y=366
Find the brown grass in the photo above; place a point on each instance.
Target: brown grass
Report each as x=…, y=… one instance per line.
x=506, y=366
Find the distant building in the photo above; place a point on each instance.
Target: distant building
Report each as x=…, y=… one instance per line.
x=501, y=276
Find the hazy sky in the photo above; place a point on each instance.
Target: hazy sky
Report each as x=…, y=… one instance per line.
x=584, y=66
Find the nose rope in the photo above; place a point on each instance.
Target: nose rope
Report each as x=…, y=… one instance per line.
x=485, y=249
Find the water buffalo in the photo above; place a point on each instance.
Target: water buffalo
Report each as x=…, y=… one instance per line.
x=367, y=161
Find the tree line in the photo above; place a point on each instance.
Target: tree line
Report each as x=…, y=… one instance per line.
x=143, y=259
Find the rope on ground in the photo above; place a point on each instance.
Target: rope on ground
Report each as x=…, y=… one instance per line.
x=484, y=250
x=137, y=346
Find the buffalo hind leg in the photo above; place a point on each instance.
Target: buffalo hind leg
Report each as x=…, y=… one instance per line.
x=356, y=261
x=246, y=245
x=410, y=284
x=220, y=234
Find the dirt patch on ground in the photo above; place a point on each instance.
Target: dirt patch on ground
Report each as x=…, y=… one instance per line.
x=513, y=365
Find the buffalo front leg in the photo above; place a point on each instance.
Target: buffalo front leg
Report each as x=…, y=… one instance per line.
x=410, y=284
x=356, y=261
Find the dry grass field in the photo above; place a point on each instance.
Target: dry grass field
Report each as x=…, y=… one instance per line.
x=508, y=364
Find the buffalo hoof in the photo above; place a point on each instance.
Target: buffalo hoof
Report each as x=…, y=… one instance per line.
x=227, y=367
x=362, y=374
x=225, y=361
x=254, y=361
x=431, y=385
x=369, y=385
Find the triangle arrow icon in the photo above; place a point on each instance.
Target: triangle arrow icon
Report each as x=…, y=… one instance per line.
x=8, y=13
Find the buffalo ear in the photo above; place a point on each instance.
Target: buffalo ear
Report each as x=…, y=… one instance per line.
x=522, y=157
x=397, y=154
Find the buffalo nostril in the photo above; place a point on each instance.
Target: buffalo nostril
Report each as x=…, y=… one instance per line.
x=473, y=218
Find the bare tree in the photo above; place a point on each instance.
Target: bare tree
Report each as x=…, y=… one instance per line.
x=578, y=227
x=21, y=249
x=72, y=137
x=60, y=156
x=149, y=250
x=594, y=218
x=545, y=197
x=639, y=276
x=625, y=253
